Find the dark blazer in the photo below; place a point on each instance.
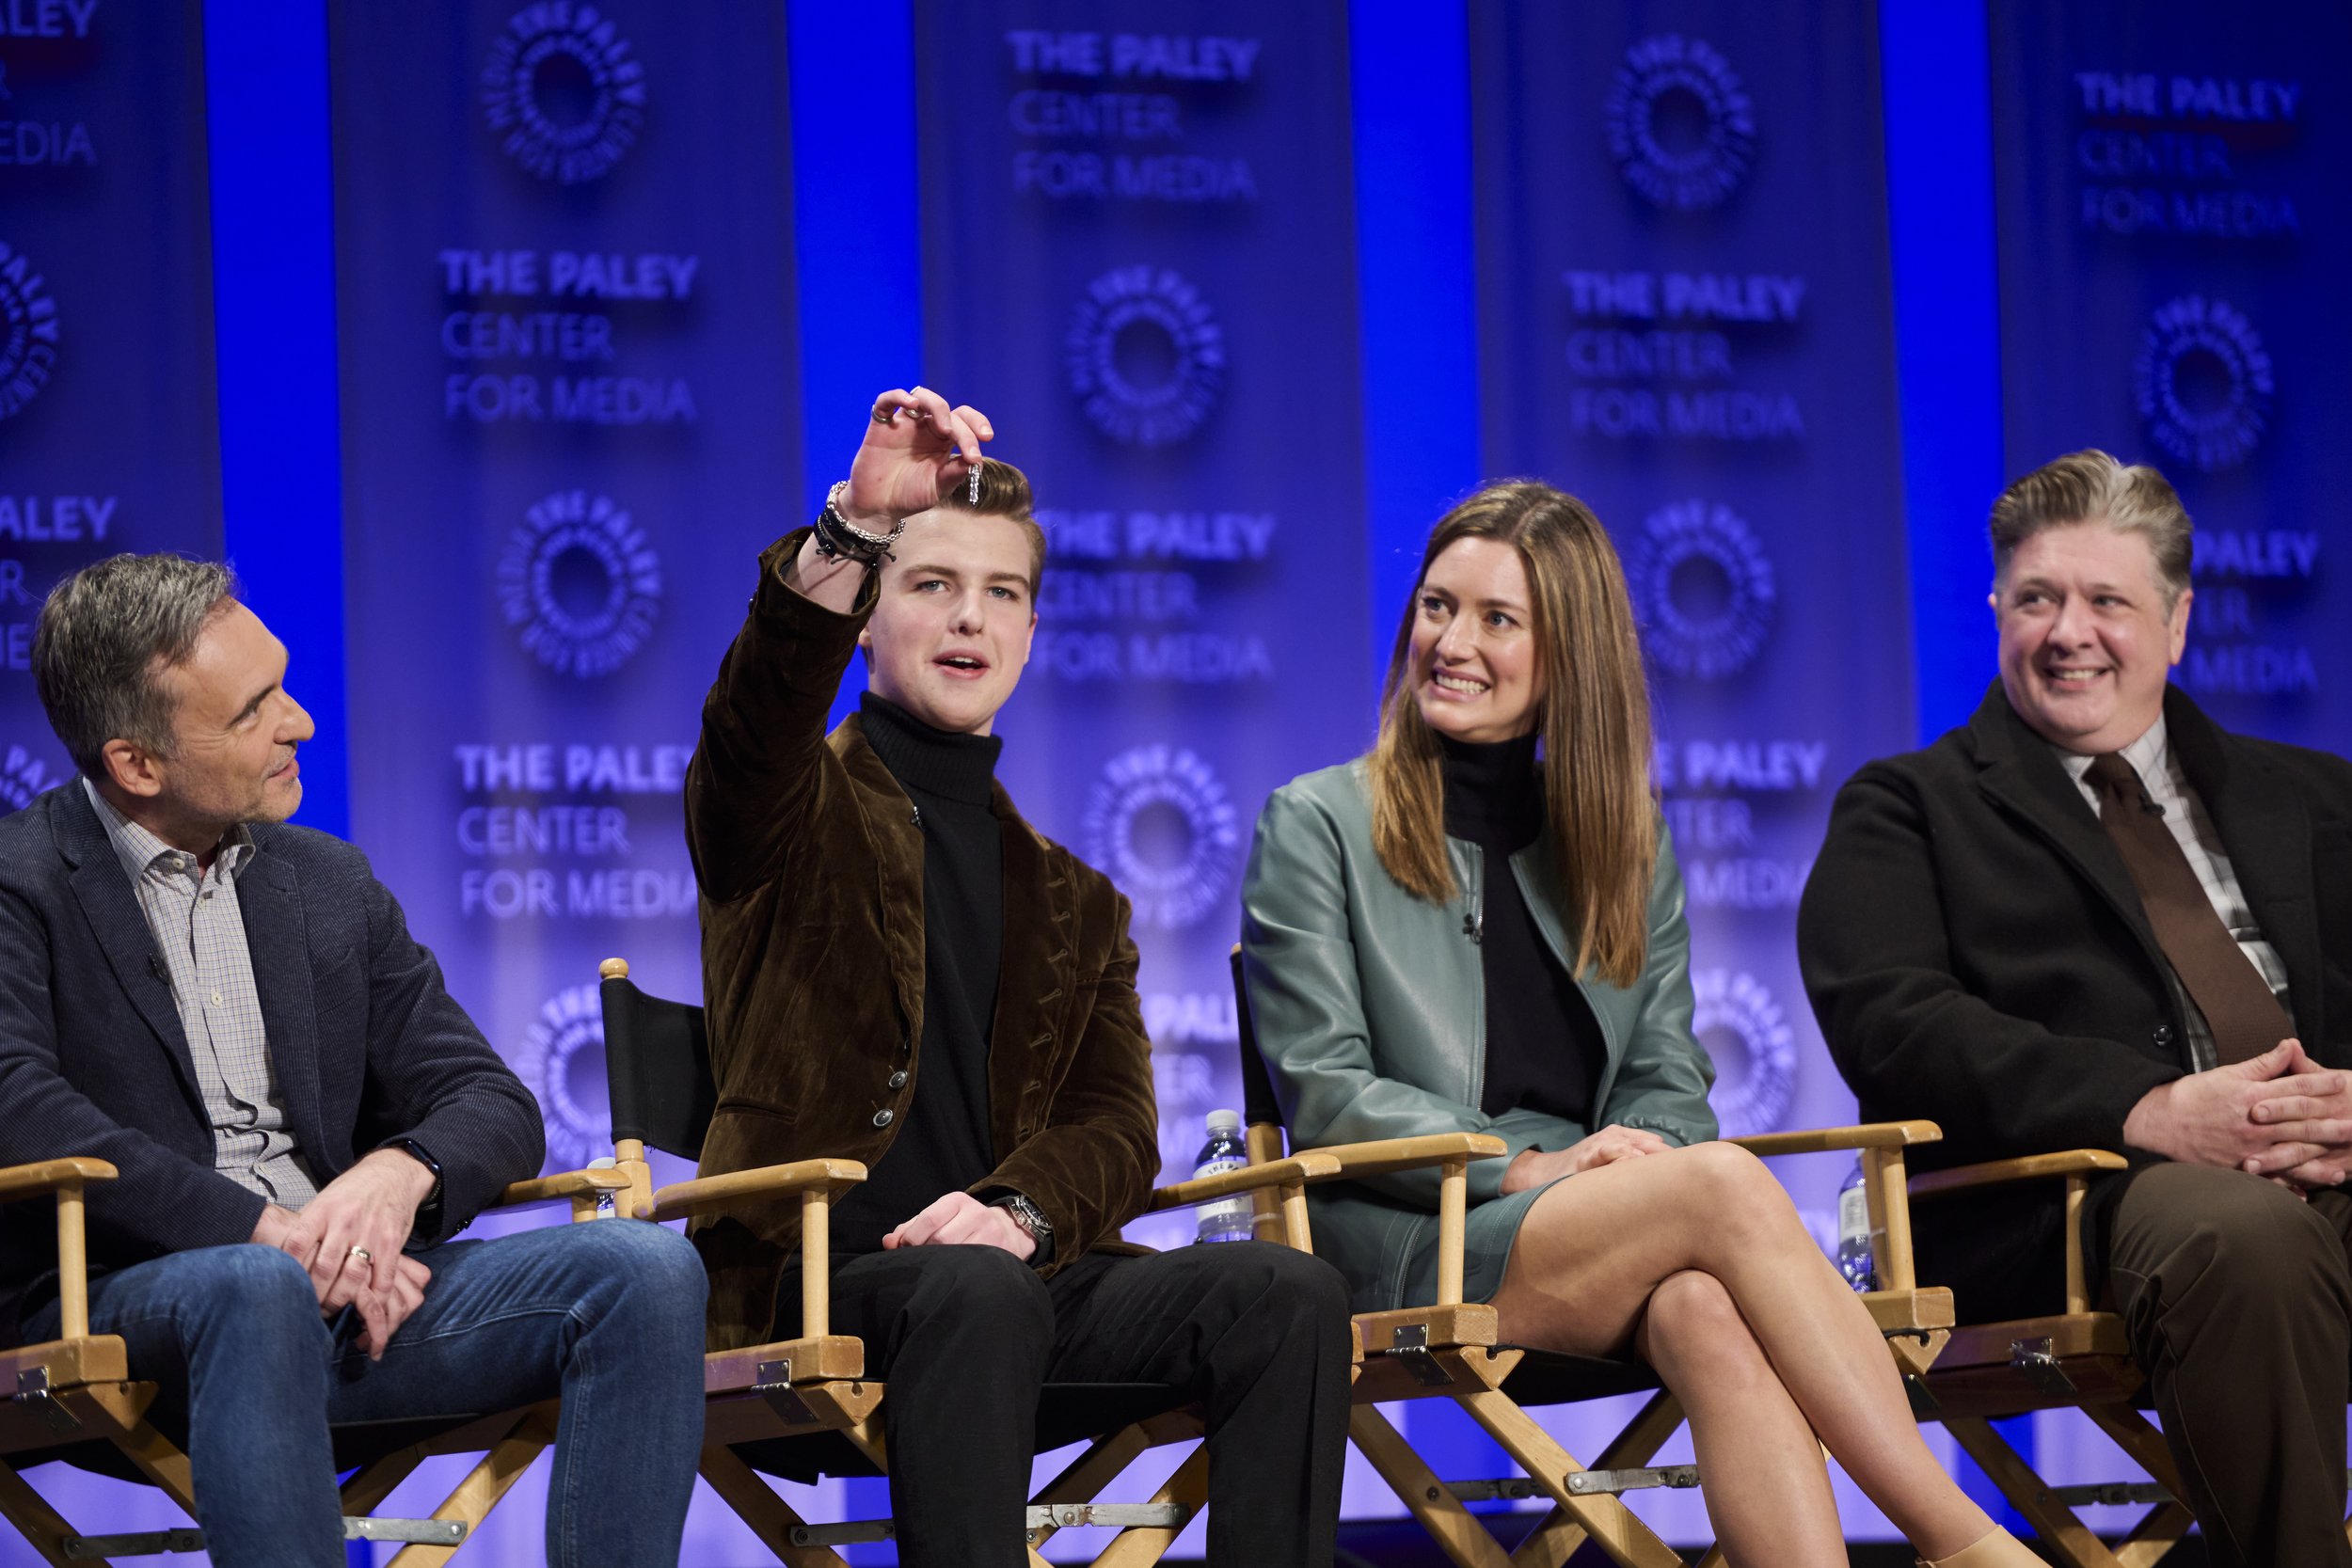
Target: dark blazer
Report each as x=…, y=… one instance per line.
x=1976, y=954
x=365, y=1043
x=811, y=869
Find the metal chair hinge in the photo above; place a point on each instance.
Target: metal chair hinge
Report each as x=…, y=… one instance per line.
x=774, y=1386
x=1410, y=1342
x=33, y=1394
x=2033, y=1359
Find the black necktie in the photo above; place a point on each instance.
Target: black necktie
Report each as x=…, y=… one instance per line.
x=2244, y=1017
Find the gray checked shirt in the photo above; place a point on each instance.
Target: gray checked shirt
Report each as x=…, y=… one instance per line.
x=2159, y=771
x=201, y=932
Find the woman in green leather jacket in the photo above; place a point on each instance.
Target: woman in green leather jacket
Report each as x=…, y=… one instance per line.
x=1463, y=932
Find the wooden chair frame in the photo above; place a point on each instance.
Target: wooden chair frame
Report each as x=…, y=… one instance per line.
x=816, y=1383
x=78, y=1388
x=2079, y=1359
x=1449, y=1349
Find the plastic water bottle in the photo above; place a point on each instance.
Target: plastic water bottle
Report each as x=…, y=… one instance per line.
x=1229, y=1219
x=1853, y=1232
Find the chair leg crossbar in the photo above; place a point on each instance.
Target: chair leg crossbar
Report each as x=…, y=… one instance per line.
x=97, y=1548
x=1584, y=1484
x=1037, y=1518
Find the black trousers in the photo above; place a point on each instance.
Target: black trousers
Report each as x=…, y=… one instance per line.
x=2238, y=1298
x=1255, y=1333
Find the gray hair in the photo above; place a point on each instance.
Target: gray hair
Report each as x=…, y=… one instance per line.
x=2091, y=487
x=106, y=633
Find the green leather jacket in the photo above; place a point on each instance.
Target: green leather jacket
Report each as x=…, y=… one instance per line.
x=1370, y=1004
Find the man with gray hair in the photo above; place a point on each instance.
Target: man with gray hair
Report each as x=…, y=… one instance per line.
x=232, y=1011
x=2090, y=917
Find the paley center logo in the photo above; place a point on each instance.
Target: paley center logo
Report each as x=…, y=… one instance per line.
x=28, y=331
x=1158, y=822
x=1146, y=356
x=1736, y=1009
x=562, y=1059
x=1704, y=588
x=1680, y=125
x=563, y=91
x=579, y=583
x=2203, y=382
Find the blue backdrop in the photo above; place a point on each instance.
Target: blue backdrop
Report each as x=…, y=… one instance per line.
x=493, y=343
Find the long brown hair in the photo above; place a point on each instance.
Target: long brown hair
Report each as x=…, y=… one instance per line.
x=1593, y=717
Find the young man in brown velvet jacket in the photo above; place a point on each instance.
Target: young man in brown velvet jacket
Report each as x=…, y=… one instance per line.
x=899, y=970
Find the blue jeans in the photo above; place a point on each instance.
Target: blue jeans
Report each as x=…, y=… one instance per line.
x=608, y=1315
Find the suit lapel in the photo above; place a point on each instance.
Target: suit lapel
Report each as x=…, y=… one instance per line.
x=112, y=908
x=2266, y=832
x=2022, y=773
x=277, y=940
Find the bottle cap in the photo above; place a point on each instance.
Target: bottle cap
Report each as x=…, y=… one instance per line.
x=1228, y=1120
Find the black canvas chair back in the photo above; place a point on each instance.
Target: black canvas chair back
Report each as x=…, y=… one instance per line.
x=657, y=1062
x=1258, y=1106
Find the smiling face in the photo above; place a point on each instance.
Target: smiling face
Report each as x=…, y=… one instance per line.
x=1475, y=671
x=234, y=732
x=953, y=622
x=2086, y=643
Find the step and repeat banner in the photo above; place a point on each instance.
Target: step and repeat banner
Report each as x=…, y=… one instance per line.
x=1140, y=261
x=2173, y=217
x=568, y=369
x=108, y=440
x=1686, y=319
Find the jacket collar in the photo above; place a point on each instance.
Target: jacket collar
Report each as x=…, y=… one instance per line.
x=119, y=925
x=2263, y=827
x=277, y=939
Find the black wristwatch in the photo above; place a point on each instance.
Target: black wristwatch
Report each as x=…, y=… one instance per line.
x=429, y=1211
x=1031, y=1218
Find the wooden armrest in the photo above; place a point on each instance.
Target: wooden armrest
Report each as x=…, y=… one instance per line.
x=1249, y=1179
x=47, y=1175
x=1821, y=1140
x=1382, y=1155
x=563, y=1183
x=2030, y=1167
x=707, y=1193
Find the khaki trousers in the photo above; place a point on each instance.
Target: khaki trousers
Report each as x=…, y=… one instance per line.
x=2238, y=1298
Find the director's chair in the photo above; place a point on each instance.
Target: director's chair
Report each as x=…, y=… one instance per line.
x=73, y=1399
x=803, y=1408
x=2079, y=1358
x=1449, y=1349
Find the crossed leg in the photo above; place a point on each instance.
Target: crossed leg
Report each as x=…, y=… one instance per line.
x=1696, y=1259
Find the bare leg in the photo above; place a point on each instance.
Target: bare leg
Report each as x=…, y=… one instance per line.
x=1766, y=1488
x=1594, y=1250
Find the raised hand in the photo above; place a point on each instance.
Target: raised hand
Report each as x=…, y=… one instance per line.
x=915, y=450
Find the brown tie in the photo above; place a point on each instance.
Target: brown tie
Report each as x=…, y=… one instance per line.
x=2244, y=1017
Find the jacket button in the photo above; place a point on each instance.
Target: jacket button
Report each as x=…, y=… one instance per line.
x=883, y=1117
x=2164, y=1033
x=898, y=1080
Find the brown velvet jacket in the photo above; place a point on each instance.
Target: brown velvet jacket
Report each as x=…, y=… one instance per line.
x=811, y=870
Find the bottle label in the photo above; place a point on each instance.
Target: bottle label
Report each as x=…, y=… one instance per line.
x=1853, y=1215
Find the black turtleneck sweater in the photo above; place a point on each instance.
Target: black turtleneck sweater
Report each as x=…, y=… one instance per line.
x=943, y=1139
x=1544, y=1046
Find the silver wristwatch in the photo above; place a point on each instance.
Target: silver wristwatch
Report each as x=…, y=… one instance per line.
x=1031, y=1218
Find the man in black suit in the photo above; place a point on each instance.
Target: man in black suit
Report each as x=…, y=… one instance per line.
x=232, y=1012
x=2092, y=918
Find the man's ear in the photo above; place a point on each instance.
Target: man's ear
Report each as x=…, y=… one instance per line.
x=132, y=769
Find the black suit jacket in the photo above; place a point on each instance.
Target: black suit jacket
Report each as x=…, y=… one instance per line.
x=1976, y=954
x=365, y=1042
